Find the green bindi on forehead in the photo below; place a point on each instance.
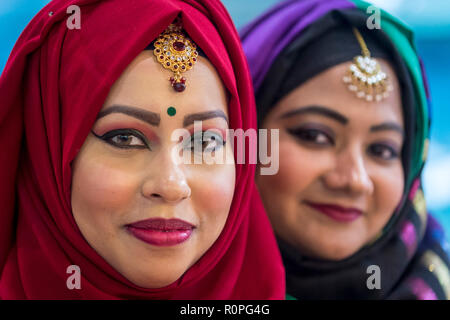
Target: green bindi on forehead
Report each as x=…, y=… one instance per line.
x=171, y=111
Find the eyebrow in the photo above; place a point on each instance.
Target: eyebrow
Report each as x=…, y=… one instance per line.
x=151, y=118
x=316, y=110
x=189, y=119
x=340, y=118
x=388, y=126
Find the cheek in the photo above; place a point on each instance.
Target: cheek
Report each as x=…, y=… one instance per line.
x=100, y=189
x=389, y=186
x=298, y=169
x=214, y=196
x=212, y=190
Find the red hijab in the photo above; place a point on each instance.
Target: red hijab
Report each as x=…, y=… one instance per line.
x=53, y=86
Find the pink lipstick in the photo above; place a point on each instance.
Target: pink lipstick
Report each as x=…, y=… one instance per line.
x=336, y=212
x=161, y=232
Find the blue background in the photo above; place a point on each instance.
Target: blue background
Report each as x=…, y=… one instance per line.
x=429, y=19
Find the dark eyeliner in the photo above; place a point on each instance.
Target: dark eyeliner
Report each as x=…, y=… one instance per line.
x=394, y=153
x=200, y=135
x=298, y=133
x=129, y=132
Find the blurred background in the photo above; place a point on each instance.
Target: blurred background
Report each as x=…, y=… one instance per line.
x=430, y=21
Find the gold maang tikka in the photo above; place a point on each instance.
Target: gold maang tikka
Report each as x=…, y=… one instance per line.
x=365, y=77
x=176, y=52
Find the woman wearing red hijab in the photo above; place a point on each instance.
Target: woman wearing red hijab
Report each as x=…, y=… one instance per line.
x=88, y=185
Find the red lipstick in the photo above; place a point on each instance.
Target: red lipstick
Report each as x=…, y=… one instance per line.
x=161, y=232
x=336, y=212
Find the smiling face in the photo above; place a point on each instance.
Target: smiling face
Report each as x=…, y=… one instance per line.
x=341, y=175
x=125, y=174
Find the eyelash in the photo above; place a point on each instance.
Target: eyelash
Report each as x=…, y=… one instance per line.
x=107, y=137
x=310, y=136
x=195, y=138
x=200, y=137
x=393, y=153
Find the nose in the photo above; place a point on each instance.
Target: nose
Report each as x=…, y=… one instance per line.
x=350, y=173
x=166, y=181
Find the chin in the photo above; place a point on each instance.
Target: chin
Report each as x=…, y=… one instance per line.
x=155, y=279
x=338, y=253
x=331, y=252
x=338, y=256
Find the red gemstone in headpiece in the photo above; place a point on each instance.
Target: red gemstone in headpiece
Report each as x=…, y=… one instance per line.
x=179, y=87
x=179, y=46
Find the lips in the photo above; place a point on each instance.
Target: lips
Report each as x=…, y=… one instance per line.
x=336, y=212
x=161, y=232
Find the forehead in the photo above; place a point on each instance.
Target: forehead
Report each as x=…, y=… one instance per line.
x=328, y=89
x=145, y=84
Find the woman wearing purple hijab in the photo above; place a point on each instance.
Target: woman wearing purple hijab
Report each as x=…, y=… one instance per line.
x=348, y=94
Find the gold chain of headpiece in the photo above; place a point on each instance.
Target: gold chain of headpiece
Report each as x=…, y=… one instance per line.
x=364, y=50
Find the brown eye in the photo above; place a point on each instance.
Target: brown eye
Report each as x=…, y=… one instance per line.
x=383, y=151
x=125, y=138
x=205, y=141
x=311, y=135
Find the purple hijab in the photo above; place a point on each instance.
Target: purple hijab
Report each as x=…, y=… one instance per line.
x=268, y=35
